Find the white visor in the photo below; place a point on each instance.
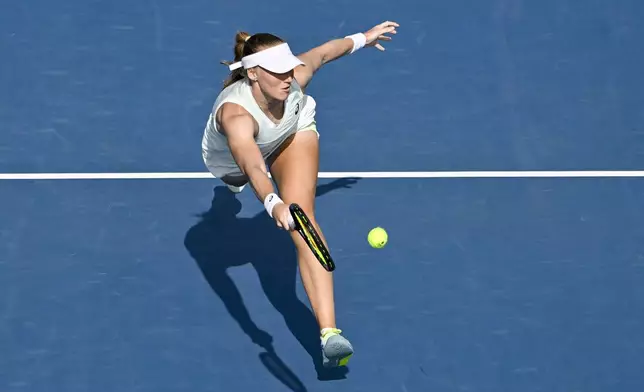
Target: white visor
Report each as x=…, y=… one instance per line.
x=278, y=59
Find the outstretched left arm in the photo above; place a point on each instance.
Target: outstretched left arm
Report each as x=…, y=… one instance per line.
x=315, y=58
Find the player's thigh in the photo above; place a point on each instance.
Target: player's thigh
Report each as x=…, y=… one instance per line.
x=295, y=169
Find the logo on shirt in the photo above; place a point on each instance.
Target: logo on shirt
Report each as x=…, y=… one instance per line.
x=297, y=108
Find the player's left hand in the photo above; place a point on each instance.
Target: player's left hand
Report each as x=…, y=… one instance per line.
x=377, y=34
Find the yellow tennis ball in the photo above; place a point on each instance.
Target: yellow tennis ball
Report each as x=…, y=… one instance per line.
x=377, y=237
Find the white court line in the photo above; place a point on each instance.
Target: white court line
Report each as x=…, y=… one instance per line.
x=381, y=174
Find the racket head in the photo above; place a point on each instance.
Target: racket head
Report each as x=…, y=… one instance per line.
x=311, y=237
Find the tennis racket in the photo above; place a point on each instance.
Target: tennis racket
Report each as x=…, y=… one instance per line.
x=311, y=237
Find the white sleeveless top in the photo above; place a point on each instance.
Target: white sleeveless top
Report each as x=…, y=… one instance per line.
x=217, y=155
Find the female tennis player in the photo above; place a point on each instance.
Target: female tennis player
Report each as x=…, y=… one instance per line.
x=262, y=118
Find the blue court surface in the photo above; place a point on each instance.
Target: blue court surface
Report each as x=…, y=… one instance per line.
x=517, y=284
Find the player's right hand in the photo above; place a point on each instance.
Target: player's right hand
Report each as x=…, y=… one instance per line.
x=282, y=217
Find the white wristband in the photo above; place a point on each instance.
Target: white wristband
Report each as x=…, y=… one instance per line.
x=271, y=201
x=359, y=41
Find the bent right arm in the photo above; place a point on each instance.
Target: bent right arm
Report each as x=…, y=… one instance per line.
x=239, y=128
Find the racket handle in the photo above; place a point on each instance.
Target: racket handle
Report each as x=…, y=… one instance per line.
x=291, y=222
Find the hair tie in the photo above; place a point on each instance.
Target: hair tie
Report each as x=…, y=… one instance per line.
x=247, y=38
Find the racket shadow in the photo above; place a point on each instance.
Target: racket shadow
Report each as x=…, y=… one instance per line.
x=220, y=240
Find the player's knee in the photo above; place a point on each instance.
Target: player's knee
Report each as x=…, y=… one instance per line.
x=306, y=207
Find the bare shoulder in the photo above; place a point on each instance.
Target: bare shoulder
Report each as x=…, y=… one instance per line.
x=304, y=73
x=233, y=119
x=313, y=59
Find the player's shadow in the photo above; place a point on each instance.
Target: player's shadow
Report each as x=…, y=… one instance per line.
x=221, y=240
